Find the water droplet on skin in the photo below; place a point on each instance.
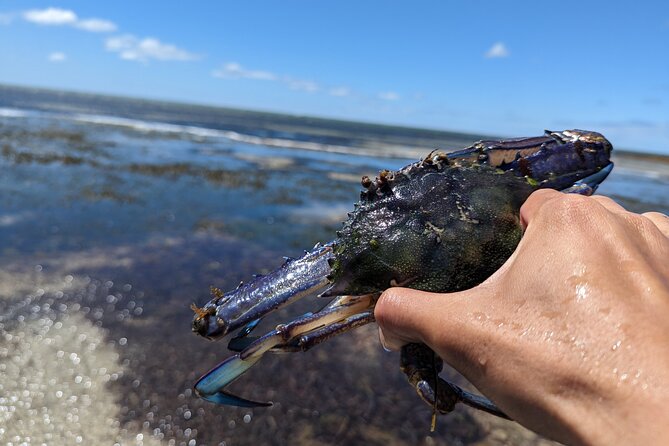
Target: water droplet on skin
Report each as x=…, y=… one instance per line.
x=616, y=345
x=480, y=316
x=581, y=292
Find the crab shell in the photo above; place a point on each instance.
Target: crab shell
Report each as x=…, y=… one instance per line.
x=432, y=226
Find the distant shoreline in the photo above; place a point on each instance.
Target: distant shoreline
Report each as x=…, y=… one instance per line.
x=642, y=156
x=413, y=139
x=642, y=163
x=223, y=108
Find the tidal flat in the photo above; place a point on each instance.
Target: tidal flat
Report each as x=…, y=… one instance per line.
x=108, y=232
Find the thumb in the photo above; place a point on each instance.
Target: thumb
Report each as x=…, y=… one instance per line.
x=447, y=323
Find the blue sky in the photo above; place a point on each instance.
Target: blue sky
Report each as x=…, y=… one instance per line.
x=481, y=66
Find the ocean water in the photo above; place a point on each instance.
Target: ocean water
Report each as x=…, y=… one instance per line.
x=117, y=214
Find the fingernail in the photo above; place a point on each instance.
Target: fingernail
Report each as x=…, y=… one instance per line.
x=382, y=339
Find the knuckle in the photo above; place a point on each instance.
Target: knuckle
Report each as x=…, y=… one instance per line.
x=659, y=216
x=648, y=222
x=644, y=230
x=569, y=209
x=602, y=199
x=535, y=202
x=540, y=197
x=636, y=220
x=545, y=193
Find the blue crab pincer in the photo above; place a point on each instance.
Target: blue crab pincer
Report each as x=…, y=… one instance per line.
x=443, y=224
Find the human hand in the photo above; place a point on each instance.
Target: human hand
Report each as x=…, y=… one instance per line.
x=570, y=337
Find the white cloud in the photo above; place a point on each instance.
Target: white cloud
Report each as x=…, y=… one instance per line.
x=50, y=16
x=388, y=96
x=303, y=85
x=498, y=50
x=340, y=91
x=96, y=25
x=57, y=56
x=130, y=47
x=233, y=70
x=60, y=17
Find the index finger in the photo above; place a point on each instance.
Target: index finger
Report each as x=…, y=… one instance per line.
x=534, y=202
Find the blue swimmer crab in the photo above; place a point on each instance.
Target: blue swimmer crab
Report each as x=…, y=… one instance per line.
x=443, y=224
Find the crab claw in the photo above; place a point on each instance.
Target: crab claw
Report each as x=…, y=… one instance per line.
x=589, y=184
x=210, y=386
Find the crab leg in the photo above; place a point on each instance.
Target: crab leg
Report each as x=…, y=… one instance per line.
x=350, y=312
x=285, y=332
x=422, y=366
x=242, y=340
x=313, y=338
x=242, y=307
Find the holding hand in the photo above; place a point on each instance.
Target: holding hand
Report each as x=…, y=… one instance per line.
x=570, y=337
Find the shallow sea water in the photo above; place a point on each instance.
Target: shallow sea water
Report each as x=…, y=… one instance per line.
x=109, y=232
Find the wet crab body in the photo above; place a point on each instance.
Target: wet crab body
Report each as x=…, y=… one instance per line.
x=443, y=224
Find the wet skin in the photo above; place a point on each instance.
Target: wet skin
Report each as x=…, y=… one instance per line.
x=569, y=336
